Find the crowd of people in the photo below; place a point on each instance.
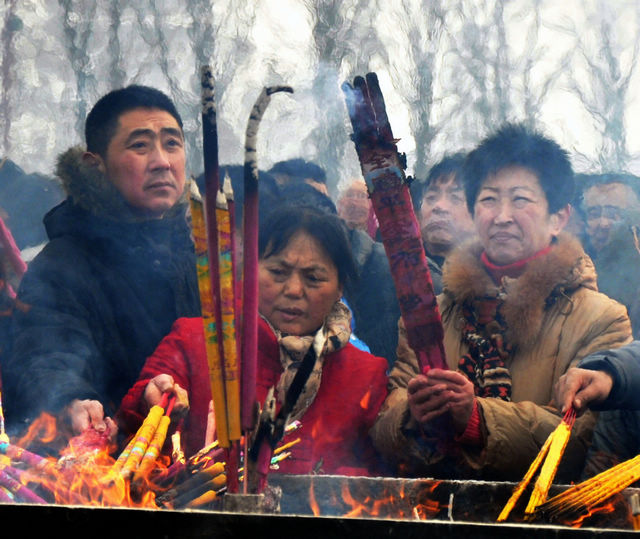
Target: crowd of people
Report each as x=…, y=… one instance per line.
x=524, y=254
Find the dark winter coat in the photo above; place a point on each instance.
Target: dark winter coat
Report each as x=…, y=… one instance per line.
x=334, y=432
x=372, y=298
x=615, y=266
x=616, y=437
x=103, y=293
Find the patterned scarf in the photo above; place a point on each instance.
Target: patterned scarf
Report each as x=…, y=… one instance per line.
x=484, y=363
x=331, y=337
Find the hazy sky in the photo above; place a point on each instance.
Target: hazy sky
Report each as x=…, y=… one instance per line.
x=263, y=42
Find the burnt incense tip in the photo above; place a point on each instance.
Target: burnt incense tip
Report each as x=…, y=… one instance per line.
x=372, y=78
x=274, y=89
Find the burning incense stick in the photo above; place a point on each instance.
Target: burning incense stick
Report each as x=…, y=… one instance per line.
x=593, y=491
x=207, y=232
x=383, y=170
x=250, y=264
x=155, y=446
x=18, y=489
x=551, y=454
x=143, y=437
x=560, y=438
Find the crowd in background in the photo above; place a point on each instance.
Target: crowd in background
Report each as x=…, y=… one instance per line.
x=534, y=266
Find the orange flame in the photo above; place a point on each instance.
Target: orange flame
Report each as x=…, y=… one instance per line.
x=79, y=476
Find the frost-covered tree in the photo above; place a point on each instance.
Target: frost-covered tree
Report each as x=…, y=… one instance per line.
x=418, y=46
x=602, y=84
x=11, y=24
x=78, y=25
x=500, y=63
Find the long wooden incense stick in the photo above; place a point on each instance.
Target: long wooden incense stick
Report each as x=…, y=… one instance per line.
x=228, y=320
x=214, y=360
x=211, y=308
x=250, y=260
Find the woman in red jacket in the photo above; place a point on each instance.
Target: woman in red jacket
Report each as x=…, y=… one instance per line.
x=305, y=261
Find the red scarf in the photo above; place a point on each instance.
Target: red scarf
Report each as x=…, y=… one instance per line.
x=513, y=270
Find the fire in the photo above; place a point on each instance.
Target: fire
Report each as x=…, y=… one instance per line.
x=590, y=512
x=362, y=501
x=315, y=508
x=364, y=402
x=81, y=473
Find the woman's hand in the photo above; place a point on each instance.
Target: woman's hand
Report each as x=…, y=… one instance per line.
x=161, y=384
x=438, y=392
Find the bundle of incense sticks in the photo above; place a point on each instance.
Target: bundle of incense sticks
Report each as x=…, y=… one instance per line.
x=383, y=171
x=592, y=492
x=208, y=480
x=143, y=449
x=551, y=454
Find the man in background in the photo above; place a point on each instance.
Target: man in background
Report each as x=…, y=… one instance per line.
x=442, y=212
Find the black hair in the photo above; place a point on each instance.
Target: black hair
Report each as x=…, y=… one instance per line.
x=268, y=190
x=328, y=230
x=590, y=180
x=303, y=194
x=448, y=165
x=102, y=121
x=515, y=145
x=299, y=169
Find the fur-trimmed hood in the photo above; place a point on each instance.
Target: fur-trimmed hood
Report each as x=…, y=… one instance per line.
x=90, y=189
x=546, y=279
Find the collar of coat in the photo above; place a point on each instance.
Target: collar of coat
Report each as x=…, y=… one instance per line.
x=546, y=279
x=90, y=189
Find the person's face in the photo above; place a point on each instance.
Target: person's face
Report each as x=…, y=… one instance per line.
x=145, y=160
x=354, y=206
x=605, y=206
x=298, y=286
x=512, y=217
x=444, y=218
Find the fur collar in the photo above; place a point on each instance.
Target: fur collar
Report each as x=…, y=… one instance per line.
x=547, y=278
x=91, y=190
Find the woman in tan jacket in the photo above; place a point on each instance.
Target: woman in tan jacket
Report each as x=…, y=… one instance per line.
x=520, y=306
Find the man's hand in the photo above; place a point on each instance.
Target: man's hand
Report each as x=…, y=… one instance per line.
x=83, y=414
x=580, y=387
x=161, y=384
x=439, y=392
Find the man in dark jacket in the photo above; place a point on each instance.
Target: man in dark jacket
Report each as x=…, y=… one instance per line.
x=609, y=382
x=118, y=270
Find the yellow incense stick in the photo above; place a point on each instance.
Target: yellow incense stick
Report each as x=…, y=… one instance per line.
x=517, y=492
x=594, y=490
x=143, y=438
x=227, y=304
x=203, y=499
x=154, y=448
x=207, y=303
x=560, y=438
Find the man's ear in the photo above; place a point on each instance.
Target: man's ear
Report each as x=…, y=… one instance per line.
x=91, y=159
x=560, y=219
